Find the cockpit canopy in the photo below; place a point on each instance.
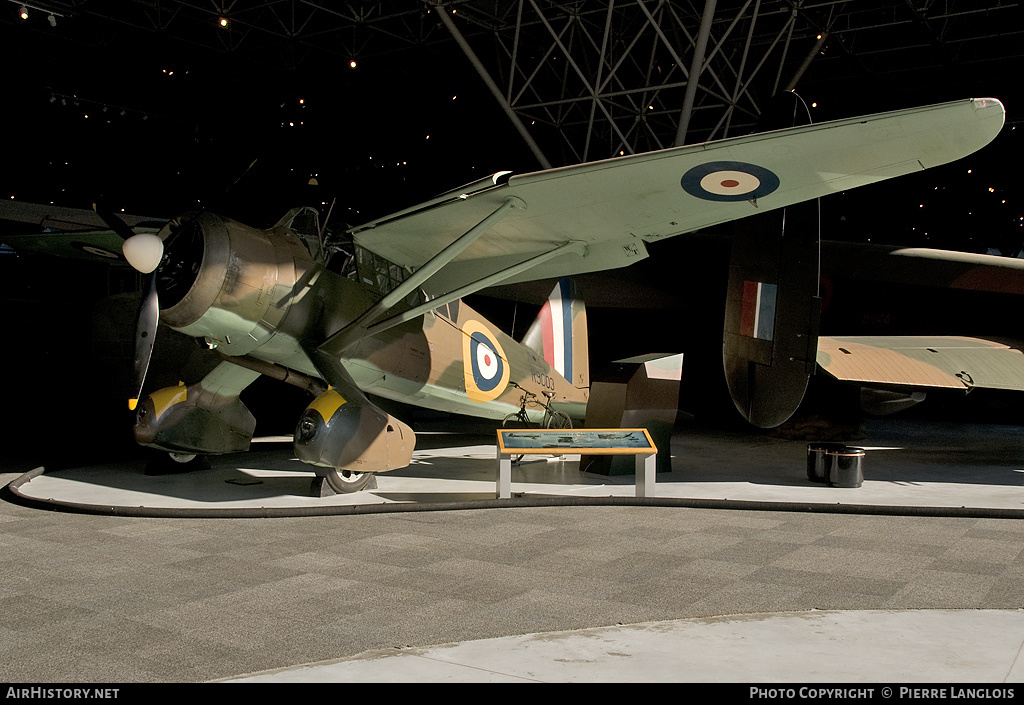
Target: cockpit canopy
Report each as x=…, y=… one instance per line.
x=305, y=222
x=342, y=256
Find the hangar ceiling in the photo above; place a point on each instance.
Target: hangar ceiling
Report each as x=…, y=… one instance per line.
x=604, y=77
x=435, y=94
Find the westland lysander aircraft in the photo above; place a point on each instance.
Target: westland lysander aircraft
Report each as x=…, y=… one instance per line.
x=378, y=310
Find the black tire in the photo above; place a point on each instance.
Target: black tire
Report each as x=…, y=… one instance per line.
x=516, y=420
x=166, y=463
x=346, y=481
x=559, y=419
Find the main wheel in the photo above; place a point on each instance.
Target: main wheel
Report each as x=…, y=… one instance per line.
x=516, y=420
x=167, y=463
x=346, y=481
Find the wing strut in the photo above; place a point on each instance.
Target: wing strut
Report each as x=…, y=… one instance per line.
x=577, y=246
x=337, y=342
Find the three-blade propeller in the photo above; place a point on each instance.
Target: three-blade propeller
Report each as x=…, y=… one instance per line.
x=143, y=252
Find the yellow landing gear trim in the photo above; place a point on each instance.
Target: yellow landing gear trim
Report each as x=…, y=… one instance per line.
x=164, y=399
x=327, y=403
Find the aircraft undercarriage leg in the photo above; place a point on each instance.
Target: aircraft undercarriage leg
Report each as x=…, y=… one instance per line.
x=204, y=418
x=346, y=437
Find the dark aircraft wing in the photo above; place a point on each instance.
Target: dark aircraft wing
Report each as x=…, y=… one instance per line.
x=66, y=232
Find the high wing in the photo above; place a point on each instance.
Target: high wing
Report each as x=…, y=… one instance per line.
x=940, y=362
x=602, y=213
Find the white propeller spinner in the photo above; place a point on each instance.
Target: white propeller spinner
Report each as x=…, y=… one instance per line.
x=143, y=252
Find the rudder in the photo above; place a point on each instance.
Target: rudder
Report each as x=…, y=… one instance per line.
x=559, y=333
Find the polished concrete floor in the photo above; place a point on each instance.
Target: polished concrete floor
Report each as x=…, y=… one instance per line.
x=739, y=570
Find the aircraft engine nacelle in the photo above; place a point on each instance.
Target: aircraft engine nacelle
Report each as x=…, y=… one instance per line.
x=352, y=435
x=227, y=282
x=185, y=419
x=882, y=402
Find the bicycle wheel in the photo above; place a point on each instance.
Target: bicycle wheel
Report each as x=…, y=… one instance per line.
x=559, y=419
x=516, y=420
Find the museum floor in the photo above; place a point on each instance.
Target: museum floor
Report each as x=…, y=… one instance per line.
x=739, y=569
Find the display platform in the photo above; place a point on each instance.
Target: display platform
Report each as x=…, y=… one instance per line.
x=909, y=467
x=877, y=646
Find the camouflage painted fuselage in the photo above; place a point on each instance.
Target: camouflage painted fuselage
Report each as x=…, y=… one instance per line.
x=260, y=295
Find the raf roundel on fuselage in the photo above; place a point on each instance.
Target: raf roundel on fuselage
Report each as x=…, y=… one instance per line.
x=484, y=360
x=729, y=181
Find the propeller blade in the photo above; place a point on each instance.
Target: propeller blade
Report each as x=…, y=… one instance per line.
x=143, y=252
x=112, y=221
x=145, y=337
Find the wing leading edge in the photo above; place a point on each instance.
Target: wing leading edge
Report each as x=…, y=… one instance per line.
x=613, y=207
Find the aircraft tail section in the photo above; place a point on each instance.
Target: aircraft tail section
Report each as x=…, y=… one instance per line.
x=559, y=333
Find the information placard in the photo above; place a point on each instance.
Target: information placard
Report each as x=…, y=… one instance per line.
x=592, y=441
x=595, y=441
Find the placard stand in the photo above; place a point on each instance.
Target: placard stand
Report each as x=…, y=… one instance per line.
x=591, y=441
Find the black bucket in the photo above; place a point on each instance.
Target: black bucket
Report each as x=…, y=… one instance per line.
x=818, y=460
x=845, y=467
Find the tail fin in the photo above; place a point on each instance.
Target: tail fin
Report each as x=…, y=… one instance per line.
x=559, y=333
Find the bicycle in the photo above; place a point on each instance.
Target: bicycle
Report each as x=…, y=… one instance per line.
x=520, y=419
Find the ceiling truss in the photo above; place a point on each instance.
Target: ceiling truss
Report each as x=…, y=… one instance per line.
x=587, y=79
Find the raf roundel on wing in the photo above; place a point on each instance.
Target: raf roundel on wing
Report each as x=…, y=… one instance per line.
x=729, y=181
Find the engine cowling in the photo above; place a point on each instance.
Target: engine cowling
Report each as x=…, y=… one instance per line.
x=230, y=283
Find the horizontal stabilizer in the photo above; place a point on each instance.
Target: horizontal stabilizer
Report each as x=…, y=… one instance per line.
x=928, y=362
